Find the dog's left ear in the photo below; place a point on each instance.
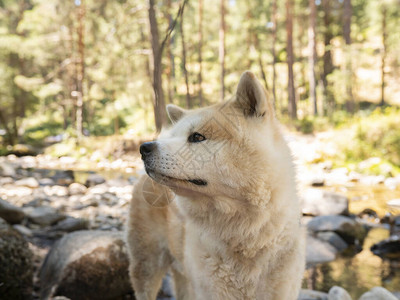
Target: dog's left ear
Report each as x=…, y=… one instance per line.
x=251, y=97
x=175, y=113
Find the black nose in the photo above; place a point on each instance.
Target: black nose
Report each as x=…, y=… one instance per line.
x=147, y=148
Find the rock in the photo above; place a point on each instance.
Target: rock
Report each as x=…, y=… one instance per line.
x=77, y=189
x=392, y=182
x=46, y=181
x=64, y=177
x=394, y=203
x=16, y=266
x=7, y=169
x=23, y=230
x=334, y=239
x=56, y=190
x=6, y=180
x=312, y=295
x=44, y=215
x=388, y=248
x=29, y=182
x=70, y=224
x=94, y=179
x=12, y=214
x=86, y=265
x=318, y=251
x=338, y=293
x=348, y=229
x=318, y=202
x=23, y=150
x=378, y=293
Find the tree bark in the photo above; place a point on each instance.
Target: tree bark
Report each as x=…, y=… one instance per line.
x=80, y=70
x=222, y=48
x=185, y=72
x=312, y=54
x=273, y=50
x=200, y=49
x=384, y=52
x=329, y=101
x=158, y=95
x=290, y=59
x=170, y=70
x=347, y=13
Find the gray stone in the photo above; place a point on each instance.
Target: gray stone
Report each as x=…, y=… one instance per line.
x=44, y=215
x=77, y=189
x=56, y=190
x=338, y=293
x=351, y=231
x=86, y=265
x=318, y=202
x=378, y=293
x=16, y=266
x=71, y=224
x=46, y=181
x=94, y=179
x=7, y=169
x=29, y=182
x=23, y=230
x=6, y=180
x=312, y=295
x=334, y=239
x=318, y=251
x=12, y=214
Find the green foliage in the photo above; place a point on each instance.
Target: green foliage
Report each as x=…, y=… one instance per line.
x=376, y=136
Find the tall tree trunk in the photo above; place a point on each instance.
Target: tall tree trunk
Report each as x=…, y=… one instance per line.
x=170, y=70
x=290, y=59
x=200, y=49
x=260, y=62
x=185, y=72
x=158, y=96
x=273, y=50
x=9, y=134
x=312, y=54
x=384, y=52
x=80, y=70
x=329, y=101
x=347, y=13
x=222, y=48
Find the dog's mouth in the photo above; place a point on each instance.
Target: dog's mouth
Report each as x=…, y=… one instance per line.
x=162, y=177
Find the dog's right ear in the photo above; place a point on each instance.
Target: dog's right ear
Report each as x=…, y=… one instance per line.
x=175, y=113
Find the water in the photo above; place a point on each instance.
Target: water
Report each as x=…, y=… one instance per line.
x=363, y=271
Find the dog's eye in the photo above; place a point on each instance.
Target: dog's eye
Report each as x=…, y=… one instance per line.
x=196, y=138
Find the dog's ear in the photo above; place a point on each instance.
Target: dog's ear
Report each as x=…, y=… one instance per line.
x=175, y=113
x=251, y=97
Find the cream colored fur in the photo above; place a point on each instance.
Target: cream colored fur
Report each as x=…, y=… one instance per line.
x=236, y=237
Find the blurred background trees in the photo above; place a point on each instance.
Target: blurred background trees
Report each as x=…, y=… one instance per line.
x=101, y=68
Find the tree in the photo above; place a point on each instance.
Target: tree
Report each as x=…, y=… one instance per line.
x=185, y=72
x=222, y=29
x=160, y=116
x=312, y=54
x=384, y=51
x=273, y=50
x=290, y=59
x=347, y=13
x=200, y=49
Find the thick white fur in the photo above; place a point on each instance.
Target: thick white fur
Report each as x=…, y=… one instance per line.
x=239, y=236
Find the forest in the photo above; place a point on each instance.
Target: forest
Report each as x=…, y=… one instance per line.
x=102, y=68
x=83, y=83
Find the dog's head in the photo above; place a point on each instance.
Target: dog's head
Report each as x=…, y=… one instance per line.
x=222, y=150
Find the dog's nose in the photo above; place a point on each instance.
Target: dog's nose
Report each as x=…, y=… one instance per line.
x=147, y=148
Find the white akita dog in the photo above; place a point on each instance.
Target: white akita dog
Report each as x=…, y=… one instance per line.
x=219, y=206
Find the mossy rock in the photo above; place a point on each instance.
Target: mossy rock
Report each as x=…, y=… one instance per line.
x=16, y=266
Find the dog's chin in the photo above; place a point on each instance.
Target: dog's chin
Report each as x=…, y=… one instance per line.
x=178, y=185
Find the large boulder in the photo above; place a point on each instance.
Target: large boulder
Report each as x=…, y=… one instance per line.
x=317, y=202
x=12, y=214
x=44, y=215
x=16, y=265
x=378, y=293
x=312, y=295
x=318, y=251
x=86, y=265
x=351, y=231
